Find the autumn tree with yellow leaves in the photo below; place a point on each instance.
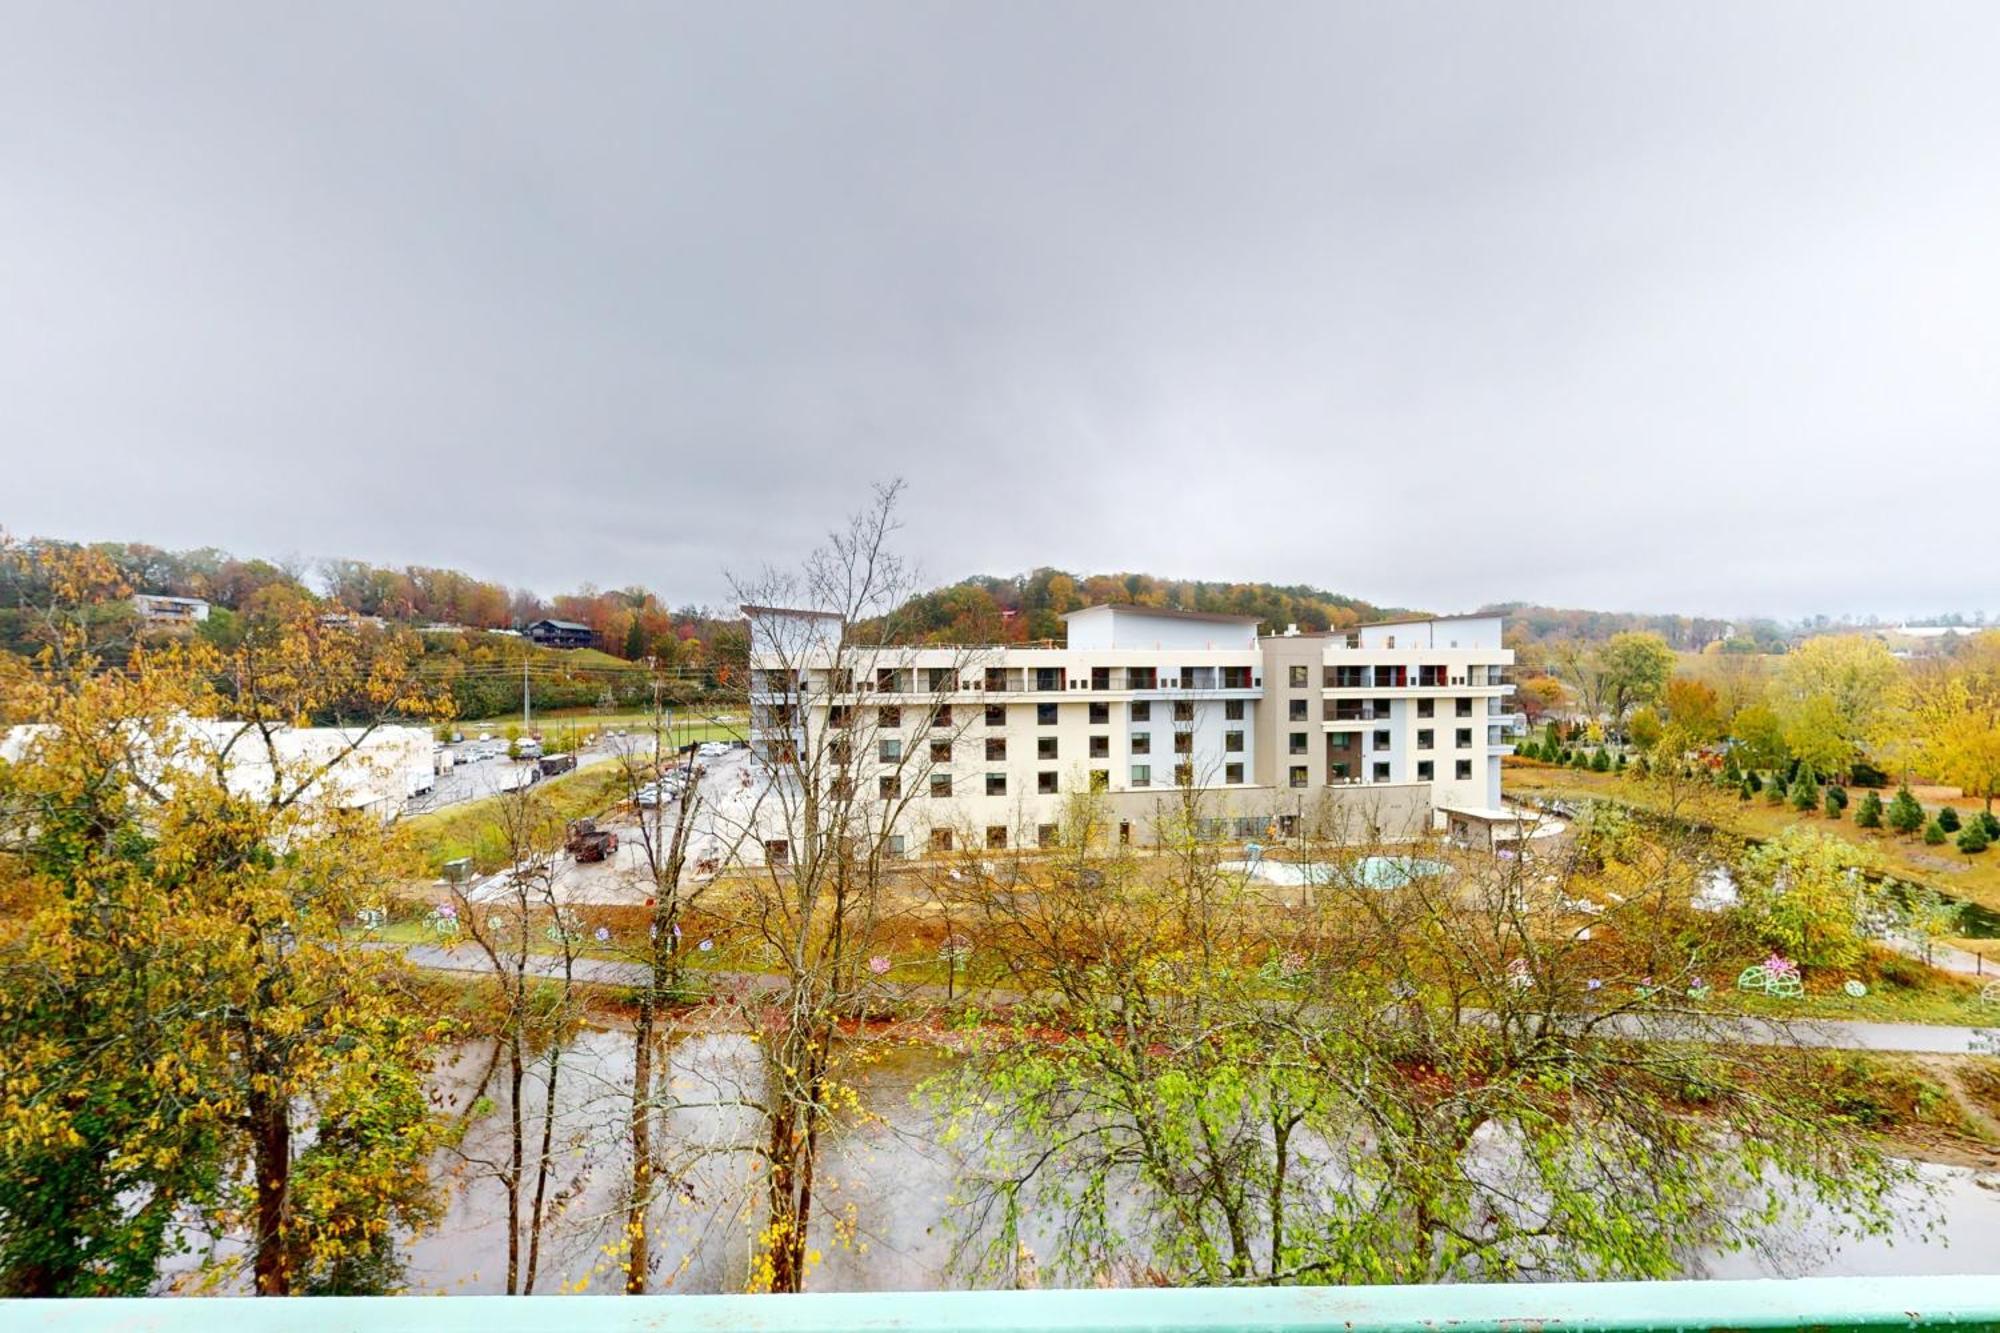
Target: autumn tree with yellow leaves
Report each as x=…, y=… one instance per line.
x=189, y=1026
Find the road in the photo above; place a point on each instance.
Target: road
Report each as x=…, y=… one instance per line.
x=479, y=778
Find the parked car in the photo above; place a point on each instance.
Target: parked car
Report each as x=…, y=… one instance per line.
x=530, y=750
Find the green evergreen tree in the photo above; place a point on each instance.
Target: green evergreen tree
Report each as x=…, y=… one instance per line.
x=1934, y=834
x=1774, y=791
x=1905, y=815
x=1947, y=819
x=1752, y=781
x=1730, y=770
x=1834, y=792
x=1600, y=762
x=1744, y=791
x=1805, y=792
x=1990, y=824
x=1869, y=815
x=1620, y=765
x=1833, y=804
x=1972, y=838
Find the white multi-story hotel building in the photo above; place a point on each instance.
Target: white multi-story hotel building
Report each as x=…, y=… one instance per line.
x=1393, y=722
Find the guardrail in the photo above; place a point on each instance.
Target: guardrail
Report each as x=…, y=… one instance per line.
x=1823, y=1305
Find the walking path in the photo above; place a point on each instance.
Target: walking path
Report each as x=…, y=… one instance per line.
x=1833, y=1034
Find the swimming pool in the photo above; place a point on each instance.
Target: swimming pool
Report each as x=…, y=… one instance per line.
x=1369, y=872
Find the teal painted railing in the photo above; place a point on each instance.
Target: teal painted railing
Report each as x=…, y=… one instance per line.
x=1831, y=1305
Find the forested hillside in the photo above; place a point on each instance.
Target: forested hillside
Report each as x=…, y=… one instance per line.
x=1030, y=607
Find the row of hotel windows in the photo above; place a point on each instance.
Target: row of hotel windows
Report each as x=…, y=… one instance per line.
x=1347, y=710
x=891, y=715
x=1297, y=741
x=945, y=680
x=1233, y=710
x=1048, y=782
x=1337, y=772
x=889, y=749
x=1391, y=677
x=998, y=680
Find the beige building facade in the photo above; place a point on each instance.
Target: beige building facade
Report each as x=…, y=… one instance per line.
x=1376, y=729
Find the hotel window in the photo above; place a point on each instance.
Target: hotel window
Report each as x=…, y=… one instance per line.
x=1381, y=772
x=1298, y=710
x=1298, y=676
x=1298, y=742
x=1048, y=835
x=1465, y=708
x=996, y=715
x=889, y=749
x=1232, y=710
x=1100, y=747
x=1142, y=711
x=1464, y=770
x=1045, y=747
x=1232, y=740
x=898, y=844
x=889, y=717
x=1142, y=742
x=996, y=837
x=1100, y=713
x=939, y=679
x=1425, y=770
x=1100, y=779
x=940, y=784
x=889, y=787
x=940, y=839
x=996, y=747
x=1142, y=775
x=1425, y=738
x=940, y=752
x=1381, y=740
x=1464, y=738
x=941, y=718
x=1183, y=710
x=1232, y=773
x=1184, y=775
x=1045, y=715
x=996, y=784
x=1426, y=707
x=1183, y=742
x=1298, y=775
x=1045, y=783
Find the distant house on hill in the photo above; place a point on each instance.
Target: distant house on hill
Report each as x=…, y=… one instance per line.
x=170, y=610
x=562, y=634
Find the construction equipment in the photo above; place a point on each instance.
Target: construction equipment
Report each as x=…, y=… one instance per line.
x=587, y=842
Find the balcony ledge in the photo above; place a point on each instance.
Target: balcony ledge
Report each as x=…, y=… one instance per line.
x=1825, y=1305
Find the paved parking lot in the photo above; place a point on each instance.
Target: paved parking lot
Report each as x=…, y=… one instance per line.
x=730, y=790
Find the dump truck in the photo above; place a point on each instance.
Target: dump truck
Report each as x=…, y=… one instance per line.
x=587, y=842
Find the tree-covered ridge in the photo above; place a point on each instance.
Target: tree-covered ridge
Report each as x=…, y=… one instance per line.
x=1030, y=607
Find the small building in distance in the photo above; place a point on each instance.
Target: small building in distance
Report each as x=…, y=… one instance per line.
x=170, y=610
x=562, y=634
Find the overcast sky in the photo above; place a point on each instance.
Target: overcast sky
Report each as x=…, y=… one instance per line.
x=1650, y=306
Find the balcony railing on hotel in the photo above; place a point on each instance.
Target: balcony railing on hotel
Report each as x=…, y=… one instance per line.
x=1825, y=1305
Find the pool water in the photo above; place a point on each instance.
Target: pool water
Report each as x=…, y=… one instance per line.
x=1369, y=872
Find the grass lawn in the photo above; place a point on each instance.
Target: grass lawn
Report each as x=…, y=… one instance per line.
x=472, y=828
x=1974, y=878
x=688, y=725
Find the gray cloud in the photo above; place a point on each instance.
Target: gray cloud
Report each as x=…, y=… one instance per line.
x=1633, y=306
